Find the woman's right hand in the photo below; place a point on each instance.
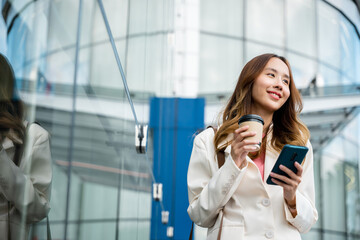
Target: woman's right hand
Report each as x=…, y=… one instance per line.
x=240, y=147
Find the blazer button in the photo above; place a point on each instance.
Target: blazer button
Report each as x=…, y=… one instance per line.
x=265, y=202
x=269, y=234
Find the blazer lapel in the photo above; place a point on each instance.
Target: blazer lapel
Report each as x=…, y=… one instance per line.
x=270, y=156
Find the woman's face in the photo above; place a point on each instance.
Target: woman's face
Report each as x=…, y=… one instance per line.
x=271, y=88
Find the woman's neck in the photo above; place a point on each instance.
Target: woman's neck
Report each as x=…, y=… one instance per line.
x=266, y=116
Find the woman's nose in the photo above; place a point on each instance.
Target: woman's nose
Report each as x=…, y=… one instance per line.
x=278, y=83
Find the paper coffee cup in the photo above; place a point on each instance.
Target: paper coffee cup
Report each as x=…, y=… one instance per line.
x=256, y=124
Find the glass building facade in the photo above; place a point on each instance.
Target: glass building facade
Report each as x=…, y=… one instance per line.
x=69, y=76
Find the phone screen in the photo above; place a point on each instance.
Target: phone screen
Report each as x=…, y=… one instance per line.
x=288, y=156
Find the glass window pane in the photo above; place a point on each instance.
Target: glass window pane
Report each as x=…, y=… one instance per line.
x=349, y=131
x=253, y=49
x=312, y=235
x=348, y=61
x=335, y=149
x=300, y=26
x=117, y=15
x=330, y=76
x=303, y=69
x=357, y=60
x=352, y=198
x=27, y=39
x=265, y=21
x=95, y=202
x=3, y=32
x=104, y=71
x=329, y=35
x=92, y=231
x=160, y=15
x=17, y=46
x=351, y=149
x=333, y=194
x=150, y=16
x=60, y=67
x=134, y=230
x=334, y=236
x=220, y=64
x=147, y=65
x=222, y=17
x=63, y=24
x=39, y=230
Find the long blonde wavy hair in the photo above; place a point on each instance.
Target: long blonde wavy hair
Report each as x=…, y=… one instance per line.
x=287, y=127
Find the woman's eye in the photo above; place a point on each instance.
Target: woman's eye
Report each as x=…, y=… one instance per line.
x=286, y=81
x=271, y=74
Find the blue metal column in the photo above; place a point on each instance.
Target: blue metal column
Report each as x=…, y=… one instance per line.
x=174, y=122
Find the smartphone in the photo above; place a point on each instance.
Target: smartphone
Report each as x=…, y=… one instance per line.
x=288, y=156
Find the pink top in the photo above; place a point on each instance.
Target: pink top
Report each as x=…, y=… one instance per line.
x=260, y=163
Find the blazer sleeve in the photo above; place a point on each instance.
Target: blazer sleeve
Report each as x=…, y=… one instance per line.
x=28, y=187
x=209, y=188
x=307, y=214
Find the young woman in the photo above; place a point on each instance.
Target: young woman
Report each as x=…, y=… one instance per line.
x=25, y=163
x=234, y=202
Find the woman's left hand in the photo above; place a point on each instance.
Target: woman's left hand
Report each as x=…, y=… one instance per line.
x=289, y=184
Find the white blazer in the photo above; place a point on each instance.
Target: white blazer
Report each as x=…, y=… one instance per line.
x=252, y=209
x=28, y=186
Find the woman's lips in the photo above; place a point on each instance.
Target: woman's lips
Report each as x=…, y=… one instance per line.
x=275, y=95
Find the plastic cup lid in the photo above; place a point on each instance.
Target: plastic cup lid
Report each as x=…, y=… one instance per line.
x=251, y=117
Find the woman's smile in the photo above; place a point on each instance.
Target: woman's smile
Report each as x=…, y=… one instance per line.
x=274, y=95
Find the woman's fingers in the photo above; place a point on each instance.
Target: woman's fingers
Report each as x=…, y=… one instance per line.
x=280, y=183
x=247, y=134
x=239, y=150
x=243, y=135
x=289, y=172
x=283, y=178
x=242, y=129
x=289, y=183
x=238, y=131
x=245, y=148
x=245, y=145
x=292, y=176
x=299, y=168
x=241, y=146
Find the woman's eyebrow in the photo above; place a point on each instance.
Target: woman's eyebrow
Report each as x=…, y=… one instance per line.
x=274, y=70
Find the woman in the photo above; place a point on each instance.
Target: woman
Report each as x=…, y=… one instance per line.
x=25, y=169
x=235, y=198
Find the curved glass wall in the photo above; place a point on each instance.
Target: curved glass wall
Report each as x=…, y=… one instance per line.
x=67, y=73
x=313, y=35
